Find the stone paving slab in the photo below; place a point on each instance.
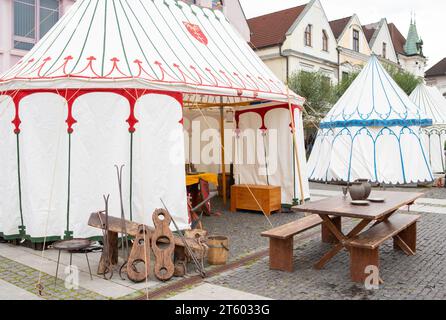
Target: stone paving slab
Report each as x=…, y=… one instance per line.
x=27, y=278
x=11, y=292
x=209, y=291
x=116, y=288
x=422, y=276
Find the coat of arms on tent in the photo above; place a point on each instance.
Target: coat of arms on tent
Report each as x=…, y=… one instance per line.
x=196, y=32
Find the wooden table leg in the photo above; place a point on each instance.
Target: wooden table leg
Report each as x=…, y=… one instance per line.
x=338, y=234
x=327, y=235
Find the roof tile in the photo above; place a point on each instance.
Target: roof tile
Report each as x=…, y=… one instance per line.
x=338, y=26
x=437, y=70
x=270, y=30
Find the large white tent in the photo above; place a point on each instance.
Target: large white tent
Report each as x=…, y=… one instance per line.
x=373, y=132
x=432, y=103
x=105, y=86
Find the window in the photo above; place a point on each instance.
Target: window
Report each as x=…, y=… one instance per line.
x=345, y=75
x=356, y=40
x=324, y=41
x=444, y=94
x=32, y=20
x=308, y=32
x=384, y=50
x=214, y=4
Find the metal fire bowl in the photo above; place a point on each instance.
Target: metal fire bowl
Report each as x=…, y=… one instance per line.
x=72, y=245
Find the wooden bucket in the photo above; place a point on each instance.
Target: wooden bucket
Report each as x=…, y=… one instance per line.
x=218, y=250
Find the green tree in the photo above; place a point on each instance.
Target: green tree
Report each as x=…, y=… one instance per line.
x=318, y=90
x=344, y=84
x=406, y=80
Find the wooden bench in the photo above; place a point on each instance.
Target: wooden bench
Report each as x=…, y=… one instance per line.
x=364, y=248
x=281, y=241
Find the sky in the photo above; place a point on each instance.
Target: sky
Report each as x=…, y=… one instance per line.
x=430, y=16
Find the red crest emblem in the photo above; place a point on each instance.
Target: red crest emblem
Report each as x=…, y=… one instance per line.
x=196, y=32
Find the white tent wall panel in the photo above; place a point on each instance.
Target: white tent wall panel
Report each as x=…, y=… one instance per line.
x=209, y=135
x=280, y=157
x=389, y=167
x=44, y=164
x=415, y=158
x=298, y=122
x=99, y=142
x=246, y=168
x=347, y=154
x=434, y=141
x=9, y=189
x=159, y=160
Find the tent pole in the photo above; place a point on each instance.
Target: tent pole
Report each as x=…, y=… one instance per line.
x=223, y=165
x=296, y=149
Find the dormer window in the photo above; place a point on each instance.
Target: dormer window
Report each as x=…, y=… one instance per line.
x=355, y=40
x=324, y=41
x=308, y=35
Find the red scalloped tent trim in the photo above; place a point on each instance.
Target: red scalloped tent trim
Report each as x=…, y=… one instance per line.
x=70, y=95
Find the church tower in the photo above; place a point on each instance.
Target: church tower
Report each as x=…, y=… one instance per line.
x=413, y=59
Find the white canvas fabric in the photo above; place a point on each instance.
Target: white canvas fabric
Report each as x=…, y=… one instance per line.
x=105, y=86
x=430, y=101
x=373, y=132
x=274, y=163
x=9, y=197
x=157, y=44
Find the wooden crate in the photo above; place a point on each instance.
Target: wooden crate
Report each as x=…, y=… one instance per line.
x=267, y=197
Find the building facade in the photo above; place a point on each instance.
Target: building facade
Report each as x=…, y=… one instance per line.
x=296, y=39
x=380, y=41
x=23, y=23
x=411, y=56
x=353, y=48
x=436, y=76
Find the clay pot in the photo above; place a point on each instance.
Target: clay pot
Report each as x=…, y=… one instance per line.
x=367, y=186
x=357, y=191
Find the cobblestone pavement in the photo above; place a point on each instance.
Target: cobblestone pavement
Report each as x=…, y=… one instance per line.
x=243, y=228
x=419, y=277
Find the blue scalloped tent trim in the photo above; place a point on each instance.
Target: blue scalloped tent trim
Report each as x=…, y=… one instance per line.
x=377, y=123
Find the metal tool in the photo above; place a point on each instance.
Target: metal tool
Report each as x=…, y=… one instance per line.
x=124, y=235
x=199, y=267
x=198, y=207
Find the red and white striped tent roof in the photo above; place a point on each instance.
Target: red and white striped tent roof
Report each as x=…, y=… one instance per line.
x=147, y=44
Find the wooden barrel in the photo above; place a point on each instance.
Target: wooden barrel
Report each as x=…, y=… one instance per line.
x=218, y=250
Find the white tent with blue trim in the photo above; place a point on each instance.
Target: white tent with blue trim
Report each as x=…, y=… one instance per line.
x=431, y=102
x=373, y=132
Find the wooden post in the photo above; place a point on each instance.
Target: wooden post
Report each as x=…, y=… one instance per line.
x=223, y=165
x=296, y=149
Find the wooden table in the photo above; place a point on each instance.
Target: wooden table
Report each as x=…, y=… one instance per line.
x=192, y=179
x=338, y=207
x=256, y=198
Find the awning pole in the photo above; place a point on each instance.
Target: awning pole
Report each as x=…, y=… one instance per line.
x=223, y=165
x=296, y=149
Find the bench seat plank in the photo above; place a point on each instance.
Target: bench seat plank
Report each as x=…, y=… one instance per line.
x=291, y=229
x=375, y=236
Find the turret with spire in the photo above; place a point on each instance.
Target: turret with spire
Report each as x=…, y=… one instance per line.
x=414, y=44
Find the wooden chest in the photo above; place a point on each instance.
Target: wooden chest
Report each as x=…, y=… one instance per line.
x=256, y=198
